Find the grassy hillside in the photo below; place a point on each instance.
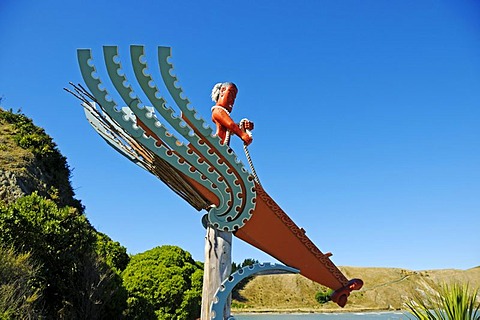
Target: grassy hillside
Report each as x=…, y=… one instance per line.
x=384, y=289
x=30, y=161
x=12, y=157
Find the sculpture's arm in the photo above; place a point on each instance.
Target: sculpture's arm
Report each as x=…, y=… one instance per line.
x=220, y=117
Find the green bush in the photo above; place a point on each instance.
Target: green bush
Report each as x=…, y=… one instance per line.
x=29, y=136
x=74, y=279
x=163, y=283
x=18, y=298
x=445, y=302
x=51, y=163
x=323, y=296
x=115, y=255
x=79, y=268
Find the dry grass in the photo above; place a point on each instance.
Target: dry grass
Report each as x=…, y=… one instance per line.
x=12, y=157
x=384, y=289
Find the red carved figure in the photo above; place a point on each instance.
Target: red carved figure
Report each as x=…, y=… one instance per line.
x=224, y=94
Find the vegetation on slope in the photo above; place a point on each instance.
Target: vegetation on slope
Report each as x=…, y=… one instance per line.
x=55, y=265
x=163, y=283
x=18, y=298
x=384, y=289
x=74, y=282
x=26, y=148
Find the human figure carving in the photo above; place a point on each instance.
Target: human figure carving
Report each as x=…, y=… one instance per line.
x=224, y=94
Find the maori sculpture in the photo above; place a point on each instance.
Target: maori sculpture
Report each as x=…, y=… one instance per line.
x=195, y=163
x=224, y=94
x=203, y=161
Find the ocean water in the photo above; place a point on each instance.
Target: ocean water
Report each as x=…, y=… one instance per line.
x=327, y=316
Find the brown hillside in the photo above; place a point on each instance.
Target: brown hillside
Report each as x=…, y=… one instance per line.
x=384, y=289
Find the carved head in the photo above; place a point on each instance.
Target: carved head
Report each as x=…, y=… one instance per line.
x=224, y=94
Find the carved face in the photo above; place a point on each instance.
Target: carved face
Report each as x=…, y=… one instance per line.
x=227, y=96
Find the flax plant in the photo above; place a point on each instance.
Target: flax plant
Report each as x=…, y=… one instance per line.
x=446, y=302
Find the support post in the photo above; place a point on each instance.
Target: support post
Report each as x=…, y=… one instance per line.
x=218, y=266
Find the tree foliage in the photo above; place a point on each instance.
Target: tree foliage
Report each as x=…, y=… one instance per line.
x=79, y=273
x=18, y=298
x=114, y=253
x=163, y=283
x=247, y=262
x=50, y=163
x=98, y=292
x=73, y=277
x=323, y=296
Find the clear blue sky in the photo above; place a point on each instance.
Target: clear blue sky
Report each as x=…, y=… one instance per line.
x=366, y=112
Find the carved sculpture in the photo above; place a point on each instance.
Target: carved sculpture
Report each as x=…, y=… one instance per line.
x=195, y=163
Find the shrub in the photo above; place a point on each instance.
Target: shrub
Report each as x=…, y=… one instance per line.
x=76, y=282
x=115, y=255
x=323, y=296
x=445, y=302
x=57, y=238
x=163, y=283
x=50, y=163
x=18, y=298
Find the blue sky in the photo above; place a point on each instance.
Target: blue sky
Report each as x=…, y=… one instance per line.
x=366, y=116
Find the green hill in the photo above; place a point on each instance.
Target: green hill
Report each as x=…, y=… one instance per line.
x=31, y=162
x=384, y=289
